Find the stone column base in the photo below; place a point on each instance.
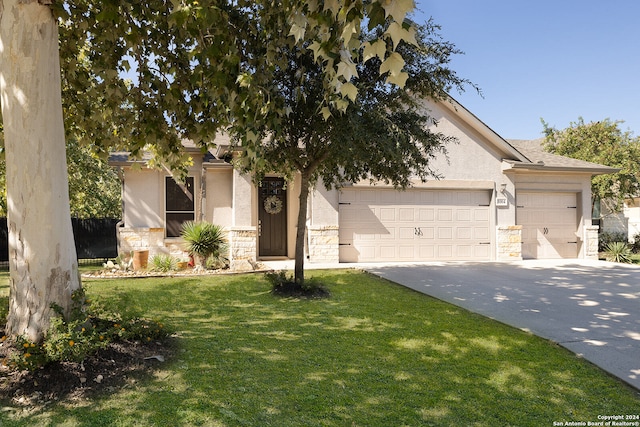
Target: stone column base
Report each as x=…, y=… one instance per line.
x=509, y=243
x=140, y=238
x=324, y=243
x=242, y=248
x=591, y=241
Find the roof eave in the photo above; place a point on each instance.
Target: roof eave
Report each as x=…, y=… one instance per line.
x=219, y=164
x=122, y=162
x=226, y=149
x=540, y=166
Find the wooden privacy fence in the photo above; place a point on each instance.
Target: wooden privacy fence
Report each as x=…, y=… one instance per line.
x=95, y=238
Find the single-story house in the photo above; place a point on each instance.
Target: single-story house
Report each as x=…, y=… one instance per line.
x=496, y=200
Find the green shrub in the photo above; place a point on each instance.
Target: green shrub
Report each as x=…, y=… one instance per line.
x=163, y=263
x=4, y=310
x=217, y=262
x=88, y=329
x=605, y=238
x=635, y=243
x=283, y=284
x=618, y=252
x=205, y=241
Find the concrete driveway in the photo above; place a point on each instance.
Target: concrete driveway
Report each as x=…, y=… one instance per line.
x=590, y=307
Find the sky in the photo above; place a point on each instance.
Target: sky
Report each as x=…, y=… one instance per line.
x=556, y=60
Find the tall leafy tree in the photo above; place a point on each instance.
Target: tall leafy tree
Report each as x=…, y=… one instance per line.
x=383, y=135
x=192, y=71
x=605, y=143
x=94, y=186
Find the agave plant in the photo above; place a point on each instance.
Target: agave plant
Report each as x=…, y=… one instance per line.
x=204, y=240
x=163, y=263
x=618, y=252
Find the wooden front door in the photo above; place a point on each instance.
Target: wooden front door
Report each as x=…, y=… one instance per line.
x=272, y=218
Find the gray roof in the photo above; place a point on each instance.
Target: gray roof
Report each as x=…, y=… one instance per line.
x=535, y=153
x=123, y=158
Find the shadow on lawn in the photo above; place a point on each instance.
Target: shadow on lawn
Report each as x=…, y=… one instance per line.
x=374, y=354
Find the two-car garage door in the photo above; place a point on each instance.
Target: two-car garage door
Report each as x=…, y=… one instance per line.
x=414, y=225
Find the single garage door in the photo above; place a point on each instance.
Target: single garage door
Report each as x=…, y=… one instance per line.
x=549, y=224
x=414, y=225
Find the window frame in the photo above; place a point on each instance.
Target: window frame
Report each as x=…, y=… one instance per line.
x=188, y=214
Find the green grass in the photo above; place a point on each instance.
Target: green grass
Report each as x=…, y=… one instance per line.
x=375, y=354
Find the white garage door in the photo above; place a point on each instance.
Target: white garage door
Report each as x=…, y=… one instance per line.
x=414, y=225
x=549, y=224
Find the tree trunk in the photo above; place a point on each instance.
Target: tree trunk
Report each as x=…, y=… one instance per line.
x=301, y=230
x=42, y=256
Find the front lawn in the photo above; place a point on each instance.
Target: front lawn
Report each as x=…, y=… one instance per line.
x=374, y=354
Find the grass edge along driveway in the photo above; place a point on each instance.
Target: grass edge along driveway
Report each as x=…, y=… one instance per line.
x=374, y=354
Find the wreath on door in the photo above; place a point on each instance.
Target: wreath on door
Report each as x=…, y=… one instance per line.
x=273, y=205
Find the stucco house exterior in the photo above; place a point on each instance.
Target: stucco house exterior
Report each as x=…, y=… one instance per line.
x=496, y=200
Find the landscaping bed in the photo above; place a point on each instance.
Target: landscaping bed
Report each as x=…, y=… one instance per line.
x=115, y=367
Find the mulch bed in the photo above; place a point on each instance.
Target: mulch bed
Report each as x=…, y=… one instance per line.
x=294, y=290
x=115, y=367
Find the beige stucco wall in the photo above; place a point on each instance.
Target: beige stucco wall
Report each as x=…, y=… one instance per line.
x=473, y=162
x=143, y=198
x=473, y=158
x=323, y=207
x=219, y=196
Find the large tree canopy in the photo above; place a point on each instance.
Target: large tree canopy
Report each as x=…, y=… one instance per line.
x=605, y=143
x=165, y=70
x=193, y=68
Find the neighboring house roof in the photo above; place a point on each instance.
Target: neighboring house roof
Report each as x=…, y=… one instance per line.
x=538, y=158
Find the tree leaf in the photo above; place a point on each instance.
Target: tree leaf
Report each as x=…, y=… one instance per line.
x=316, y=48
x=297, y=32
x=398, y=34
x=375, y=49
x=398, y=9
x=326, y=113
x=349, y=30
x=349, y=90
x=347, y=68
x=342, y=105
x=400, y=80
x=244, y=80
x=333, y=6
x=393, y=64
